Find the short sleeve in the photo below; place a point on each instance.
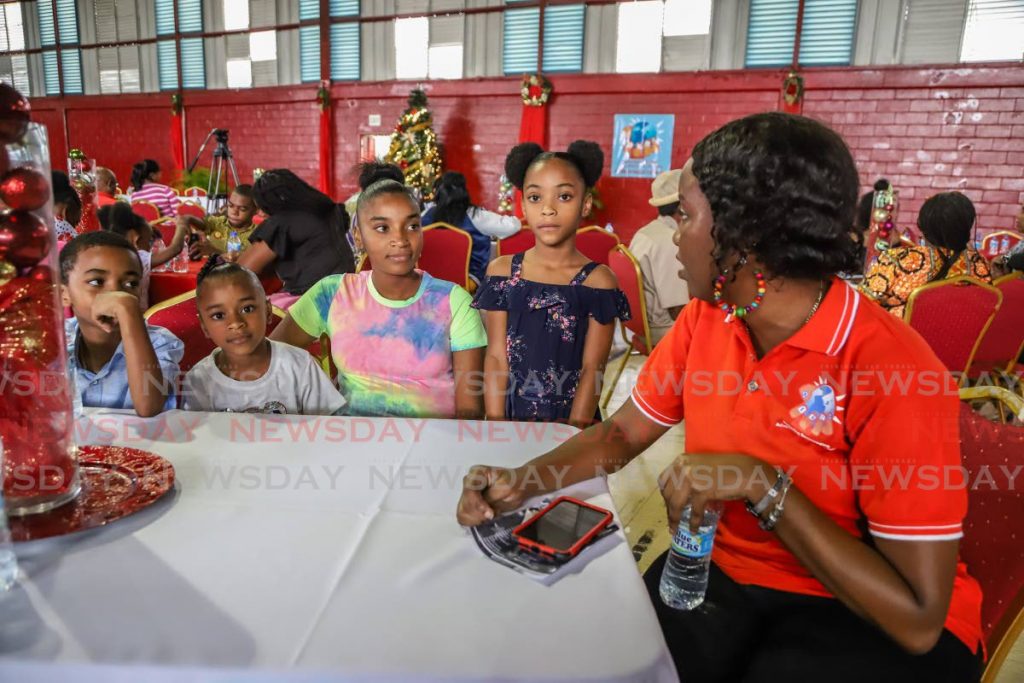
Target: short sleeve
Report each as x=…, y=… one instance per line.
x=657, y=392
x=319, y=395
x=311, y=311
x=607, y=305
x=467, y=330
x=905, y=464
x=169, y=351
x=274, y=234
x=492, y=295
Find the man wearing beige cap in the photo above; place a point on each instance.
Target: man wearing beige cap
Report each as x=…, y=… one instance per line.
x=665, y=292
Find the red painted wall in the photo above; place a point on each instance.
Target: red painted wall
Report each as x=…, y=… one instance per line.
x=926, y=129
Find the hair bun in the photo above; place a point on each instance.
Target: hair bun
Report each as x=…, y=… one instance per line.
x=881, y=184
x=373, y=171
x=590, y=158
x=519, y=159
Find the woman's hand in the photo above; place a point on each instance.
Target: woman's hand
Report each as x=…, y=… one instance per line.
x=696, y=479
x=486, y=491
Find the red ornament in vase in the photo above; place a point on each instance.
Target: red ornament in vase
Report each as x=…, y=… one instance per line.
x=40, y=469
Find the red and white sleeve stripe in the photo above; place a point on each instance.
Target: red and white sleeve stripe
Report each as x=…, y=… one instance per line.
x=935, y=532
x=651, y=413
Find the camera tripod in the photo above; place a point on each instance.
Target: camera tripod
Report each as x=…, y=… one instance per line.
x=215, y=199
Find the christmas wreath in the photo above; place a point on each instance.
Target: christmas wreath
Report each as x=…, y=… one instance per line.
x=535, y=90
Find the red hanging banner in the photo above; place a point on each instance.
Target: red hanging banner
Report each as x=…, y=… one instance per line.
x=177, y=134
x=535, y=91
x=326, y=156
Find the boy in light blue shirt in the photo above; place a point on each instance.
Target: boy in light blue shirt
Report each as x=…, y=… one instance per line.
x=116, y=359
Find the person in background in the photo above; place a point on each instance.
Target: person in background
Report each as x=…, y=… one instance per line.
x=67, y=206
x=118, y=218
x=405, y=343
x=106, y=187
x=1013, y=259
x=946, y=220
x=146, y=186
x=665, y=293
x=115, y=358
x=303, y=238
x=836, y=577
x=248, y=373
x=216, y=230
x=453, y=205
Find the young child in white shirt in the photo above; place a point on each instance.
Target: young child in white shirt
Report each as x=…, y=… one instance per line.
x=248, y=372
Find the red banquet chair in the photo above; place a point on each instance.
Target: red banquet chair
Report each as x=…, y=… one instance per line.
x=636, y=331
x=992, y=244
x=991, y=545
x=147, y=210
x=191, y=209
x=1004, y=340
x=596, y=243
x=517, y=243
x=194, y=191
x=953, y=315
x=446, y=253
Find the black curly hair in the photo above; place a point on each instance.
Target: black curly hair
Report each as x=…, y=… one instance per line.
x=87, y=240
x=585, y=156
x=216, y=267
x=946, y=221
x=782, y=188
x=372, y=171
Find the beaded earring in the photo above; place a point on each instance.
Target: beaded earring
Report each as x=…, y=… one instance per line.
x=739, y=311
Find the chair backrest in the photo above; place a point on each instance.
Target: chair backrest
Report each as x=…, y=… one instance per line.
x=999, y=242
x=179, y=315
x=258, y=218
x=631, y=282
x=194, y=191
x=1004, y=340
x=363, y=263
x=446, y=253
x=952, y=315
x=596, y=243
x=991, y=546
x=191, y=209
x=517, y=243
x=147, y=210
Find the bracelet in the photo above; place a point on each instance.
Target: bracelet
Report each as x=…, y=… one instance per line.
x=769, y=497
x=776, y=513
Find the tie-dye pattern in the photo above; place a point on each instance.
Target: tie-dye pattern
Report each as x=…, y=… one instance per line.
x=394, y=358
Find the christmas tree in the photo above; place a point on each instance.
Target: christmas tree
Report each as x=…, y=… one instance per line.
x=414, y=146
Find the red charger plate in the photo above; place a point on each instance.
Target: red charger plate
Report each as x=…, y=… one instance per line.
x=116, y=482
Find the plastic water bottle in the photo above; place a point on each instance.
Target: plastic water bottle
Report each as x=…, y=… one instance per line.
x=993, y=248
x=234, y=245
x=1004, y=245
x=685, y=578
x=158, y=245
x=179, y=264
x=8, y=561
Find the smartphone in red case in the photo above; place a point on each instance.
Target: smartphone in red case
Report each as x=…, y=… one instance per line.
x=563, y=528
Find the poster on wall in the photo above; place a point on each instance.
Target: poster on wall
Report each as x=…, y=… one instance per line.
x=642, y=146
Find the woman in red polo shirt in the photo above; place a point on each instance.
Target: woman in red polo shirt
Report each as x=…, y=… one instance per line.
x=790, y=380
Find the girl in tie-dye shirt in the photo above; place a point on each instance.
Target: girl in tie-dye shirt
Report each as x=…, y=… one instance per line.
x=405, y=344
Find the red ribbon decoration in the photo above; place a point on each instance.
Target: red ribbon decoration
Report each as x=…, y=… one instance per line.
x=326, y=140
x=177, y=134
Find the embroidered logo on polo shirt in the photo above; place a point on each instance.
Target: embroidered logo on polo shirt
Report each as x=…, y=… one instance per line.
x=819, y=409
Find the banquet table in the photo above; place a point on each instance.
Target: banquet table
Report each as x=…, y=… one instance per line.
x=305, y=548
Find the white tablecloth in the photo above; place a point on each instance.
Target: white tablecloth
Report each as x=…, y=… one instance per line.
x=317, y=549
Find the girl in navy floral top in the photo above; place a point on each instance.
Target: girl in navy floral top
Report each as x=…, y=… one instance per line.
x=550, y=312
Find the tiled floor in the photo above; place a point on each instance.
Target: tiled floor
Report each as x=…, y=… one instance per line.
x=642, y=511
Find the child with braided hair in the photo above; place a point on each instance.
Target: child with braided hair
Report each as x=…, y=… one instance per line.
x=551, y=311
x=248, y=372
